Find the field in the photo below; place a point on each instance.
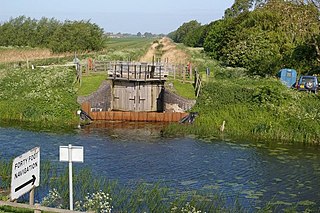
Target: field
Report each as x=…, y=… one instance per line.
x=125, y=49
x=128, y=43
x=17, y=54
x=120, y=45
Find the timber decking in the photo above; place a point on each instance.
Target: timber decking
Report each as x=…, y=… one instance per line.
x=134, y=116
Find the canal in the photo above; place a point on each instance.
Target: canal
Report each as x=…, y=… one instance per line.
x=256, y=173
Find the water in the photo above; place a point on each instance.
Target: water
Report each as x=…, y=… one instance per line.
x=254, y=173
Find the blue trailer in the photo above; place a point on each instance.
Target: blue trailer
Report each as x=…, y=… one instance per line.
x=288, y=77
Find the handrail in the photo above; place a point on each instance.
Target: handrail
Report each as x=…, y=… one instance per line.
x=37, y=207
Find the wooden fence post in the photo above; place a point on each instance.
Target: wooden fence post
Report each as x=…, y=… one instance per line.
x=184, y=73
x=31, y=197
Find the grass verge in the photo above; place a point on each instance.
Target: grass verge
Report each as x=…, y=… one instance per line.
x=91, y=83
x=39, y=95
x=255, y=108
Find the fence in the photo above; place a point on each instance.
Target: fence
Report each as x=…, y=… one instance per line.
x=139, y=69
x=198, y=83
x=146, y=71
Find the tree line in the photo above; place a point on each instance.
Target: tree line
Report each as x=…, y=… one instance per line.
x=262, y=36
x=67, y=36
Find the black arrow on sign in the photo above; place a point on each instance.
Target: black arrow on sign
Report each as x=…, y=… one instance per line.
x=26, y=183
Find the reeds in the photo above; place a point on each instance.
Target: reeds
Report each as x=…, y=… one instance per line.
x=96, y=193
x=135, y=197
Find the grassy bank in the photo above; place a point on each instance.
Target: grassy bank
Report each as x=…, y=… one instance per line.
x=252, y=107
x=255, y=108
x=90, y=83
x=47, y=96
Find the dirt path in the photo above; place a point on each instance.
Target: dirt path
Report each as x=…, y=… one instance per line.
x=169, y=50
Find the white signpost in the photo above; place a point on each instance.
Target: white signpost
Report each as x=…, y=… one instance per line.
x=71, y=154
x=25, y=174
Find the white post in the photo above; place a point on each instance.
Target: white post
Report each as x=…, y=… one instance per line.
x=70, y=177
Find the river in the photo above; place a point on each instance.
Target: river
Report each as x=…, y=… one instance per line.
x=254, y=172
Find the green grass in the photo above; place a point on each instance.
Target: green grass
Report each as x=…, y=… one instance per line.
x=91, y=83
x=125, y=49
x=48, y=96
x=255, y=108
x=44, y=95
x=185, y=90
x=128, y=43
x=15, y=209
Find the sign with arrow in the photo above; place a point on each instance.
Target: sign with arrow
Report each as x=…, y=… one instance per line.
x=25, y=173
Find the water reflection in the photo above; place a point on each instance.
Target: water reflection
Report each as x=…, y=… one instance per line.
x=119, y=130
x=256, y=173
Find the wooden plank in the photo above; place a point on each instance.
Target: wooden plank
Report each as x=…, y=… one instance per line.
x=117, y=116
x=159, y=117
x=137, y=116
x=36, y=207
x=126, y=116
x=176, y=117
x=93, y=115
x=86, y=107
x=101, y=115
x=109, y=116
x=134, y=116
x=167, y=117
x=151, y=116
x=143, y=116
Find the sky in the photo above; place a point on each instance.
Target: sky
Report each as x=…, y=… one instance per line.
x=123, y=16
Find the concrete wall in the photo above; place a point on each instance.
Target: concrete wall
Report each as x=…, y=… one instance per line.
x=176, y=103
x=99, y=100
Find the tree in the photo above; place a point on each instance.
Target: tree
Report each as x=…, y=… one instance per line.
x=50, y=33
x=268, y=38
x=215, y=38
x=77, y=36
x=45, y=29
x=239, y=6
x=148, y=35
x=186, y=28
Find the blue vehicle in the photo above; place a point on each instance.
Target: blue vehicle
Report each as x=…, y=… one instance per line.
x=308, y=83
x=288, y=77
